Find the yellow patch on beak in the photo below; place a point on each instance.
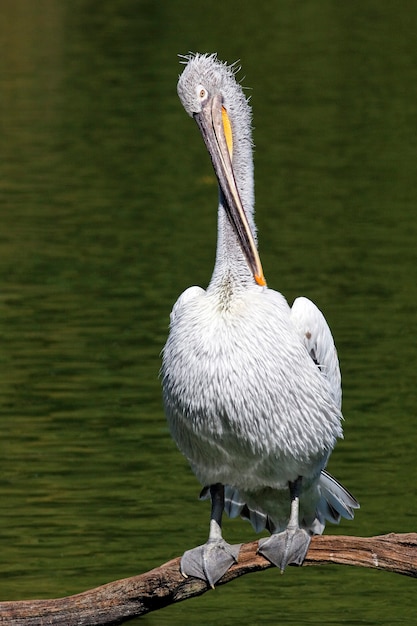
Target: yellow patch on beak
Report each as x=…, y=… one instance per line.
x=227, y=131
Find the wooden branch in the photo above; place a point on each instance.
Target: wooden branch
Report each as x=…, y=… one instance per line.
x=122, y=600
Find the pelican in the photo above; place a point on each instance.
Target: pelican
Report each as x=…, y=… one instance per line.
x=251, y=387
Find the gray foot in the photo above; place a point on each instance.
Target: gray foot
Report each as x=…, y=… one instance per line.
x=287, y=547
x=209, y=561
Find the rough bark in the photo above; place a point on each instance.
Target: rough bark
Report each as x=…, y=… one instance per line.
x=122, y=600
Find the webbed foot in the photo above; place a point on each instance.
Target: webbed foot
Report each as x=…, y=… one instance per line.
x=209, y=561
x=287, y=547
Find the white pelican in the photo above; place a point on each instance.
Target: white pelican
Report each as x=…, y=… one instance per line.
x=251, y=386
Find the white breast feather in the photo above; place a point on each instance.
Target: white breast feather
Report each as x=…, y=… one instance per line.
x=245, y=402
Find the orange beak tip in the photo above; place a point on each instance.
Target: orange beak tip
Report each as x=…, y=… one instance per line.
x=260, y=280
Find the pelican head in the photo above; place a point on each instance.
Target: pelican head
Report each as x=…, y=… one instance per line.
x=211, y=95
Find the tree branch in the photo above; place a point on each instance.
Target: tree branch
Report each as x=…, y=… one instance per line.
x=122, y=600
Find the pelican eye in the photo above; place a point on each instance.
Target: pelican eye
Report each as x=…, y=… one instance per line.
x=202, y=93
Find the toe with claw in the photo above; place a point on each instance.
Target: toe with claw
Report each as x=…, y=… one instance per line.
x=210, y=561
x=285, y=548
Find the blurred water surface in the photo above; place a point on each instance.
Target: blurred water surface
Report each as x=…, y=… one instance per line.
x=108, y=211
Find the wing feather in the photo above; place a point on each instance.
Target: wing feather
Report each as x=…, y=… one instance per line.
x=315, y=333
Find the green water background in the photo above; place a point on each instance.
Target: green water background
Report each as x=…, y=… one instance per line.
x=108, y=212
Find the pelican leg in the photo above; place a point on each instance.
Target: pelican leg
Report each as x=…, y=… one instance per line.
x=290, y=545
x=211, y=560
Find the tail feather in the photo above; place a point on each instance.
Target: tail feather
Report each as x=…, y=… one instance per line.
x=337, y=496
x=235, y=505
x=327, y=511
x=335, y=502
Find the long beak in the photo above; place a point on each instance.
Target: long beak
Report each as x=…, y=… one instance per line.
x=215, y=128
